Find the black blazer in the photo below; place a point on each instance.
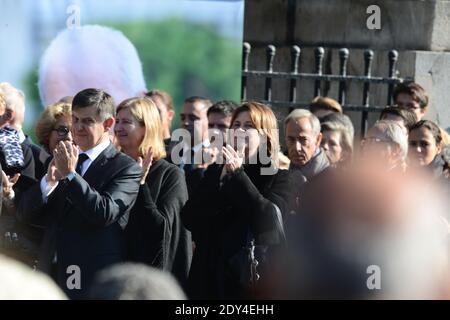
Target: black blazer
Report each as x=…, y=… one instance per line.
x=85, y=218
x=220, y=219
x=155, y=234
x=39, y=167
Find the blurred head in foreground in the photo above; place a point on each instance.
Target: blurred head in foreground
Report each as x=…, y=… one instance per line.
x=19, y=282
x=133, y=281
x=379, y=235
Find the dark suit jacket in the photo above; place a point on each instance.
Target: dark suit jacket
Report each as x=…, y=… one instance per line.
x=155, y=234
x=85, y=218
x=39, y=168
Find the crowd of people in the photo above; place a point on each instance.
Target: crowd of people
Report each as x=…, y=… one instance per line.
x=111, y=202
x=228, y=206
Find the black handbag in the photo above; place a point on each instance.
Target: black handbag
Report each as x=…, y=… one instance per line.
x=249, y=264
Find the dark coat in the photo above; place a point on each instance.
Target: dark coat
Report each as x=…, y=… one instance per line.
x=221, y=219
x=85, y=218
x=315, y=165
x=155, y=234
x=39, y=168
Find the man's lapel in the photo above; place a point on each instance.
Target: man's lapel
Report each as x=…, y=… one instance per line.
x=94, y=173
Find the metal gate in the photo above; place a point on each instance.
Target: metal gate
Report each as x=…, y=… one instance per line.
x=318, y=77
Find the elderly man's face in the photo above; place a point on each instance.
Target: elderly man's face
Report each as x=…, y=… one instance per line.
x=300, y=141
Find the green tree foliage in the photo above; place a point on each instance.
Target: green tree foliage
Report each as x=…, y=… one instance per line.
x=180, y=57
x=186, y=59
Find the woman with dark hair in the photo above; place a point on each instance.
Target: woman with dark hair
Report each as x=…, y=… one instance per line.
x=425, y=146
x=238, y=208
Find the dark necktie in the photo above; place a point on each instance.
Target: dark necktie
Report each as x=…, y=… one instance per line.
x=81, y=159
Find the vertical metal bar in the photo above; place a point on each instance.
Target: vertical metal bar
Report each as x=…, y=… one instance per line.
x=270, y=56
x=368, y=58
x=295, y=55
x=318, y=54
x=245, y=54
x=393, y=58
x=343, y=59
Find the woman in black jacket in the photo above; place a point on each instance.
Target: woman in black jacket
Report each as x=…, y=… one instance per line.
x=240, y=201
x=155, y=234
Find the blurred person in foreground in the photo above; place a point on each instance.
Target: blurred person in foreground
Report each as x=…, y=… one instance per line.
x=135, y=281
x=19, y=282
x=155, y=234
x=239, y=206
x=379, y=235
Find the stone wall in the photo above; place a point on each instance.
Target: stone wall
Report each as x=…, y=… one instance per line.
x=418, y=29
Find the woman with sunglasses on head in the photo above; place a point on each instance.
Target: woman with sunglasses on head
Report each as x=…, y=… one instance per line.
x=154, y=234
x=238, y=208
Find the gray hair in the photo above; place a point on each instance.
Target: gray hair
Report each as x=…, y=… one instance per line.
x=346, y=136
x=135, y=281
x=303, y=113
x=394, y=133
x=15, y=99
x=90, y=57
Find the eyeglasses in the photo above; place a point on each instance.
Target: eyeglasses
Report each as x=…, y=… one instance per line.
x=62, y=131
x=375, y=141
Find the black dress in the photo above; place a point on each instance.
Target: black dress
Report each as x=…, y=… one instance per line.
x=155, y=234
x=221, y=218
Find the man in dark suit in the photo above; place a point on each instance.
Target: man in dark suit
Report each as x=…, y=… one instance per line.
x=88, y=191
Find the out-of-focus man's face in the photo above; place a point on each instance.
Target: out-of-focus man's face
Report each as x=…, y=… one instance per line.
x=194, y=119
x=300, y=141
x=405, y=100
